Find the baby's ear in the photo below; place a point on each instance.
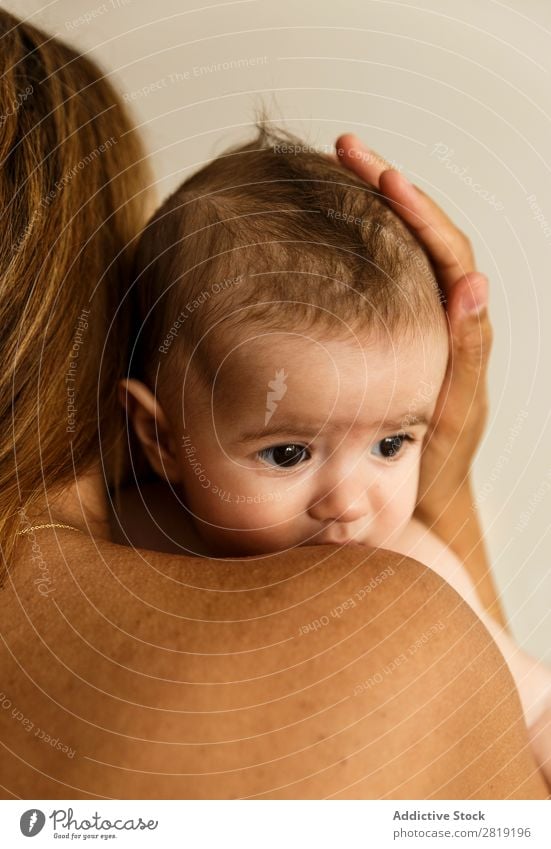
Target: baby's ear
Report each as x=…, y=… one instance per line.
x=152, y=428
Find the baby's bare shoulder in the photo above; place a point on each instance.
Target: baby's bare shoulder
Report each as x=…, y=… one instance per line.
x=416, y=538
x=422, y=544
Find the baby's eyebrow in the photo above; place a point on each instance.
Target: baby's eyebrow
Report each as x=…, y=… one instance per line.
x=309, y=430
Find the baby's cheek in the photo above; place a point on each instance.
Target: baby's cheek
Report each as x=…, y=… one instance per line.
x=402, y=505
x=227, y=492
x=232, y=508
x=257, y=512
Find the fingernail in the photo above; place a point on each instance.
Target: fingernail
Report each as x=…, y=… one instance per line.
x=475, y=297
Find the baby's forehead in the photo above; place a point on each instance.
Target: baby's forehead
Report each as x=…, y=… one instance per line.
x=309, y=372
x=256, y=353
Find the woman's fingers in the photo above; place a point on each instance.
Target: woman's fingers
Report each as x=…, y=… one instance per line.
x=448, y=247
x=355, y=156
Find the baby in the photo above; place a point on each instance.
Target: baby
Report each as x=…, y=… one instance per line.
x=291, y=346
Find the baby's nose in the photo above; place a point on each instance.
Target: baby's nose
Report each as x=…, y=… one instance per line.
x=345, y=500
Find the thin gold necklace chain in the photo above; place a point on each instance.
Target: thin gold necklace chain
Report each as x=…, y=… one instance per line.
x=48, y=525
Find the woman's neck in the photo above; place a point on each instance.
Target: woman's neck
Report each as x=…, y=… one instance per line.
x=82, y=504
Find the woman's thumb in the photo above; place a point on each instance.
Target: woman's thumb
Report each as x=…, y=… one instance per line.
x=470, y=327
x=471, y=342
x=473, y=294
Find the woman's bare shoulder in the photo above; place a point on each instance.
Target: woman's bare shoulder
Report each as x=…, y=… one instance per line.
x=313, y=673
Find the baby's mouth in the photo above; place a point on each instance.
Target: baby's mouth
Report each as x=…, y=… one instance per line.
x=330, y=541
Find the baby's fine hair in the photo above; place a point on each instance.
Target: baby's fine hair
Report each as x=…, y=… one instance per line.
x=273, y=235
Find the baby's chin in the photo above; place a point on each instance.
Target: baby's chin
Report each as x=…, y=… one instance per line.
x=254, y=543
x=263, y=548
x=247, y=543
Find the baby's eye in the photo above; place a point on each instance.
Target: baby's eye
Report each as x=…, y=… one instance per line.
x=283, y=455
x=390, y=446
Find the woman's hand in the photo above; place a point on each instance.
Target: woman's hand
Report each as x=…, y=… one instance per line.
x=445, y=501
x=461, y=411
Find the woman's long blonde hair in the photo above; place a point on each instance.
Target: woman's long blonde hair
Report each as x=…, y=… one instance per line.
x=73, y=197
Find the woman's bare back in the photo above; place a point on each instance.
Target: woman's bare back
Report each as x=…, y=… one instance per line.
x=318, y=673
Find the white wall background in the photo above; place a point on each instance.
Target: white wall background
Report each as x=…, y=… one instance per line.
x=407, y=76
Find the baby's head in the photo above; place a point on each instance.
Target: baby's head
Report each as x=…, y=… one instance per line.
x=291, y=347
